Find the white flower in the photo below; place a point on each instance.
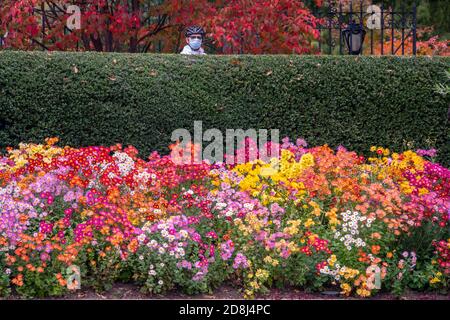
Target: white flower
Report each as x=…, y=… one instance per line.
x=162, y=226
x=249, y=206
x=221, y=205
x=183, y=233
x=162, y=264
x=141, y=257
x=229, y=213
x=160, y=282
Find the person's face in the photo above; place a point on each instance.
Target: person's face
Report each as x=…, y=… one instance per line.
x=194, y=36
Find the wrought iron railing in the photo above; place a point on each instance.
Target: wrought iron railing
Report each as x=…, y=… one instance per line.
x=388, y=31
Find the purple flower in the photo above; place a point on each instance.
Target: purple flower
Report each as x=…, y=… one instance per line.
x=240, y=261
x=226, y=250
x=430, y=153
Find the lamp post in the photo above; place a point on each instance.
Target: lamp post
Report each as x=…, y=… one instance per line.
x=354, y=38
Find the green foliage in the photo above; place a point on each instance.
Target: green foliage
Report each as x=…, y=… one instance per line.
x=91, y=99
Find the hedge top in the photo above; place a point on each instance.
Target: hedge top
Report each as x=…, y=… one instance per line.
x=139, y=99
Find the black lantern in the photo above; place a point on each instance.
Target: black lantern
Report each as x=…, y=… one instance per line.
x=354, y=37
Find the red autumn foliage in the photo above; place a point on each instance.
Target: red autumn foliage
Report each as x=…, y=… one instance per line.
x=270, y=26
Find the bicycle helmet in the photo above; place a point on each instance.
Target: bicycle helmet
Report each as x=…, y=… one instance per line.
x=194, y=30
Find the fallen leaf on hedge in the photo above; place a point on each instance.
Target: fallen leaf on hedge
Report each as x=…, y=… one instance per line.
x=235, y=62
x=112, y=78
x=268, y=73
x=75, y=69
x=153, y=73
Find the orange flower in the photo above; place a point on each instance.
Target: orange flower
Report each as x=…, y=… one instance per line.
x=18, y=281
x=10, y=259
x=375, y=249
x=62, y=282
x=376, y=235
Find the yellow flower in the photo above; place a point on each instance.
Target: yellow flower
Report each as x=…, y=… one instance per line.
x=248, y=294
x=316, y=208
x=268, y=259
x=435, y=280
x=307, y=160
x=309, y=223
x=262, y=274
x=332, y=216
x=346, y=289
x=363, y=292
x=332, y=260
x=254, y=285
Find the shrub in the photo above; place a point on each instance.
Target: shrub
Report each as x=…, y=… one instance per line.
x=102, y=99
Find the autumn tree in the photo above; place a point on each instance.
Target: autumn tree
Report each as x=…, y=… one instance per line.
x=263, y=26
x=233, y=26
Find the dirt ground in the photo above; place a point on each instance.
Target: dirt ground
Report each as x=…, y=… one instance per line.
x=128, y=291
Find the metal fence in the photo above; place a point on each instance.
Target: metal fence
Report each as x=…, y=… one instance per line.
x=388, y=31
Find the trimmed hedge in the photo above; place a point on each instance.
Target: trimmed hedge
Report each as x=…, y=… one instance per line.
x=101, y=99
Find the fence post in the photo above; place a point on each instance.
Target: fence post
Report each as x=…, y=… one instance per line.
x=382, y=29
x=414, y=28
x=330, y=36
x=392, y=28
x=340, y=27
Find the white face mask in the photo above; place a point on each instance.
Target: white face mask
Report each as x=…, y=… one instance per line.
x=195, y=44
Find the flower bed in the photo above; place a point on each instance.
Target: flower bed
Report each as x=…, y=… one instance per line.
x=324, y=219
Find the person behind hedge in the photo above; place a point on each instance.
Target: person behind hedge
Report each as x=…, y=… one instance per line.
x=194, y=38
